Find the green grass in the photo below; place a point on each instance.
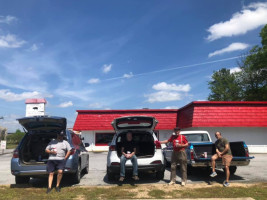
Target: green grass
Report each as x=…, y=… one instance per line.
x=258, y=192
x=11, y=146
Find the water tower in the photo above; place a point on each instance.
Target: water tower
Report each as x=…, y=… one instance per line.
x=35, y=107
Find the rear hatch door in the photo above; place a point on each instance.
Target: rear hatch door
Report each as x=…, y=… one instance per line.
x=43, y=123
x=134, y=122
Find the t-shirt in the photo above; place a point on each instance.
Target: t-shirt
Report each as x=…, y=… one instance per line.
x=62, y=147
x=128, y=146
x=220, y=145
x=181, y=139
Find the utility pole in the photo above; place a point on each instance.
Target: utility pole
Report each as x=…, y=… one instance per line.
x=3, y=134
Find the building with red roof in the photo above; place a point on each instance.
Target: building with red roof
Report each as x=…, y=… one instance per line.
x=237, y=121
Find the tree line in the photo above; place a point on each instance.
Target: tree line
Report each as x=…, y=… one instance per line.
x=250, y=83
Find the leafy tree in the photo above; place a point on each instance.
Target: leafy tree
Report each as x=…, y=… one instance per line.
x=224, y=86
x=250, y=84
x=16, y=137
x=253, y=76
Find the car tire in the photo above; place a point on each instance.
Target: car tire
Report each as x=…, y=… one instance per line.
x=160, y=175
x=77, y=175
x=232, y=169
x=22, y=179
x=167, y=164
x=110, y=175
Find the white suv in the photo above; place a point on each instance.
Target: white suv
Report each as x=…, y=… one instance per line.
x=149, y=153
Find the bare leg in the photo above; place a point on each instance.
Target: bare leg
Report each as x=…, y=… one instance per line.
x=59, y=177
x=50, y=179
x=227, y=173
x=213, y=158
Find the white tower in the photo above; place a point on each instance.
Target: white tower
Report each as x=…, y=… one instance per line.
x=35, y=107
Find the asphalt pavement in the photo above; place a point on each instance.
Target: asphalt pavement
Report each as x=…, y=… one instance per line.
x=255, y=172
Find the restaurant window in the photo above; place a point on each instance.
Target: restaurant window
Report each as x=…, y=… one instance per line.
x=102, y=139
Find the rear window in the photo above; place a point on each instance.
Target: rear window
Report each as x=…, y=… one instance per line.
x=198, y=137
x=134, y=122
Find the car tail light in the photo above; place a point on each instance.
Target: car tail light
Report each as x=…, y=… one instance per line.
x=72, y=151
x=115, y=163
x=112, y=148
x=15, y=153
x=156, y=162
x=192, y=154
x=158, y=145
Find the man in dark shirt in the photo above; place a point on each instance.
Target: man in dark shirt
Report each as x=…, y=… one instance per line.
x=128, y=150
x=224, y=152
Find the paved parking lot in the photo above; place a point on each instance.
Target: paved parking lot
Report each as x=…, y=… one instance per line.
x=255, y=172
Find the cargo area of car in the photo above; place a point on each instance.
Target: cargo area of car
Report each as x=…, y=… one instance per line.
x=237, y=148
x=33, y=148
x=143, y=140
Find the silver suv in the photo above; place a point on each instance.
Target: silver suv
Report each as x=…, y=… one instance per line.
x=29, y=158
x=149, y=153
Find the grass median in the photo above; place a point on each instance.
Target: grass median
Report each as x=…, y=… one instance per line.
x=256, y=191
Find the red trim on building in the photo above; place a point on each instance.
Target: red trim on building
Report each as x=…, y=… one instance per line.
x=32, y=101
x=101, y=119
x=223, y=114
x=194, y=114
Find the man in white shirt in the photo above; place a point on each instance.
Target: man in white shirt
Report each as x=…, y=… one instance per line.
x=59, y=150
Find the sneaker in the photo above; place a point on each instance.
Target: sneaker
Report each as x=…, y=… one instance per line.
x=183, y=183
x=213, y=174
x=226, y=184
x=48, y=190
x=136, y=178
x=171, y=183
x=58, y=189
x=121, y=179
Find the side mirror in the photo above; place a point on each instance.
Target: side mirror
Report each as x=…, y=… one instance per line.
x=86, y=144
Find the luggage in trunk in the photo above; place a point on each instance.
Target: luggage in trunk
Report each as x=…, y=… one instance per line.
x=144, y=142
x=33, y=148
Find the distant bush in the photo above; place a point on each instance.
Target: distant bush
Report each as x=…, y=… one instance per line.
x=16, y=137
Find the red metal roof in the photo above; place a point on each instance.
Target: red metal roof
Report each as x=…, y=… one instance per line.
x=101, y=119
x=223, y=114
x=29, y=101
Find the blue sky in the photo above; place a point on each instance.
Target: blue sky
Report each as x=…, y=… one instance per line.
x=118, y=54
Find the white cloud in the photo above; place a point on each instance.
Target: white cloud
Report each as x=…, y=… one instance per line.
x=106, y=68
x=130, y=75
x=249, y=18
x=232, y=47
x=7, y=19
x=235, y=69
x=34, y=47
x=168, y=92
x=6, y=95
x=10, y=122
x=10, y=41
x=95, y=105
x=169, y=87
x=171, y=107
x=163, y=96
x=65, y=104
x=93, y=80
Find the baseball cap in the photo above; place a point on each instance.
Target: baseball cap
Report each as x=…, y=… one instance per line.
x=61, y=133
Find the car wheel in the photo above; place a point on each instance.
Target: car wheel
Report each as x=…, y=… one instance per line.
x=22, y=179
x=167, y=164
x=160, y=175
x=232, y=169
x=86, y=169
x=110, y=175
x=77, y=175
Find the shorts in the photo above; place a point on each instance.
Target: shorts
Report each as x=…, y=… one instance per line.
x=53, y=165
x=226, y=159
